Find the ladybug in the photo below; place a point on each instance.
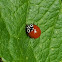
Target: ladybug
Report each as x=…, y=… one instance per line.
x=33, y=31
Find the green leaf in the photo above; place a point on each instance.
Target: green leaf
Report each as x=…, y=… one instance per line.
x=15, y=45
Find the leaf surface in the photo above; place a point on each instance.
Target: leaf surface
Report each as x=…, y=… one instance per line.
x=15, y=45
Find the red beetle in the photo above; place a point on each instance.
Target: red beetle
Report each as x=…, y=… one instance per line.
x=33, y=31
